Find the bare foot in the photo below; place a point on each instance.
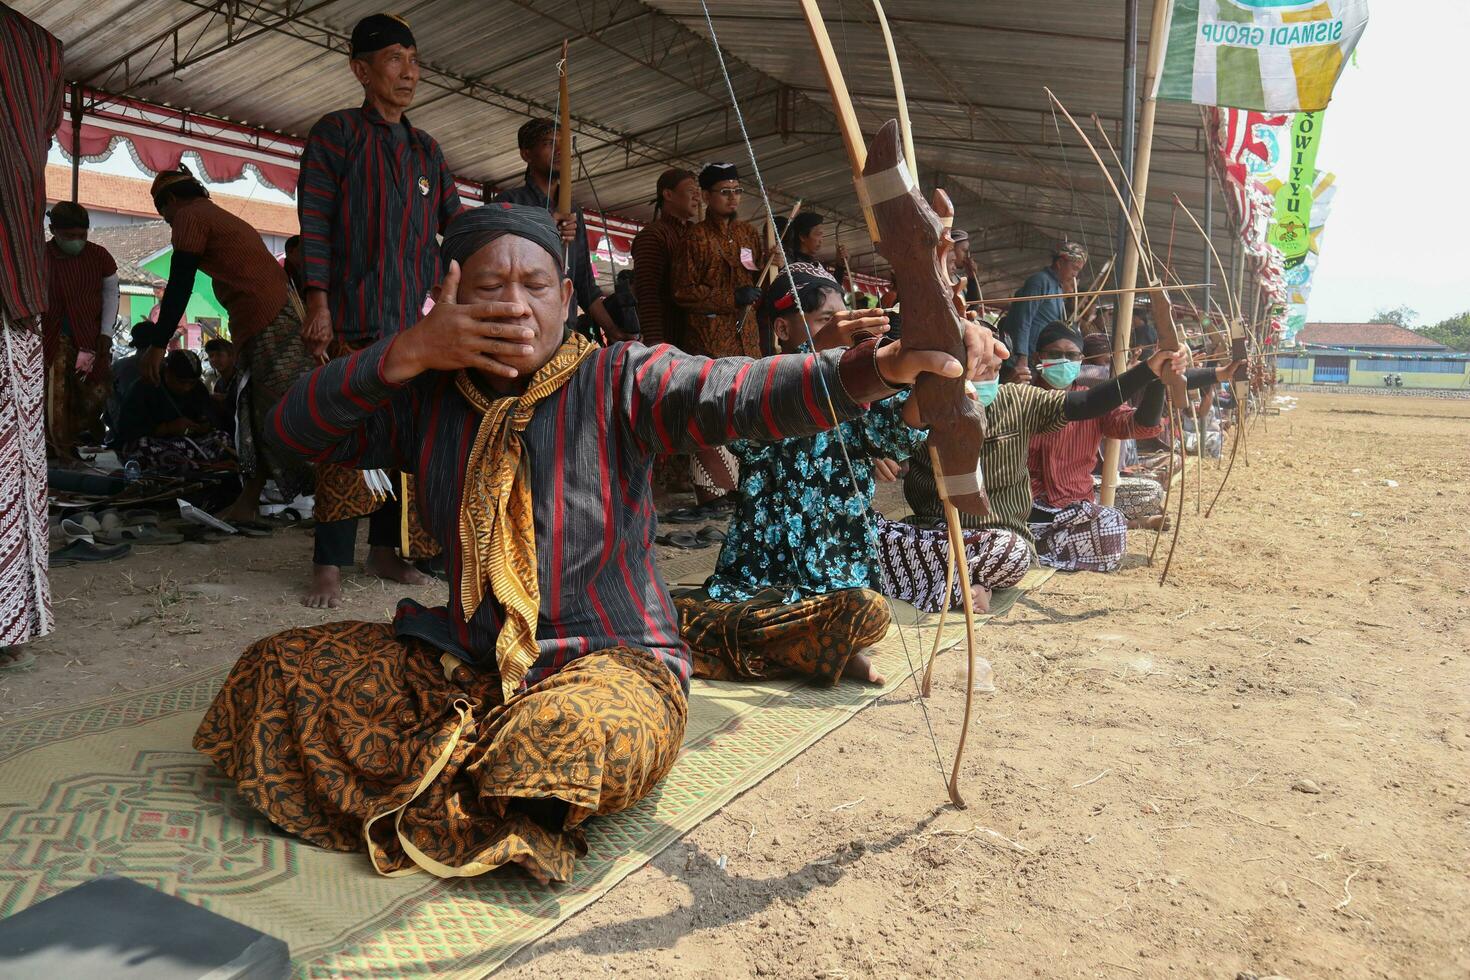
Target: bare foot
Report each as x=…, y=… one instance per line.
x=1153, y=522
x=384, y=563
x=980, y=598
x=326, y=588
x=246, y=506
x=860, y=667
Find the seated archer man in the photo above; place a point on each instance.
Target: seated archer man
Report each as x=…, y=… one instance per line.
x=1072, y=531
x=552, y=688
x=1014, y=414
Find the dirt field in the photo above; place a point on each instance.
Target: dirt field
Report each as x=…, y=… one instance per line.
x=1261, y=768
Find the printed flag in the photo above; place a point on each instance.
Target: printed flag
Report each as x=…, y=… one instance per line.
x=1269, y=55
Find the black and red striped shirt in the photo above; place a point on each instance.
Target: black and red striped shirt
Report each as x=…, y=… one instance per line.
x=372, y=204
x=590, y=447
x=30, y=112
x=74, y=289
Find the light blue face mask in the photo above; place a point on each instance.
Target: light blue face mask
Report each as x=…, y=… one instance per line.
x=985, y=391
x=1060, y=374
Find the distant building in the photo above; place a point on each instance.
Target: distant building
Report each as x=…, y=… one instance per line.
x=1360, y=354
x=125, y=223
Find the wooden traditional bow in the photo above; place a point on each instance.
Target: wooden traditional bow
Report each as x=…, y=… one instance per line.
x=1169, y=339
x=908, y=233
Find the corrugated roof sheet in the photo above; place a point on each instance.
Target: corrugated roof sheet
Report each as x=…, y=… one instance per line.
x=646, y=92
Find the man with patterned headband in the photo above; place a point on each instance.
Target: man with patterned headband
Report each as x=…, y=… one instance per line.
x=265, y=326
x=552, y=688
x=375, y=196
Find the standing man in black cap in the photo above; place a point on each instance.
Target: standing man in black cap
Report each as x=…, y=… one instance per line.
x=715, y=280
x=537, y=141
x=714, y=283
x=375, y=195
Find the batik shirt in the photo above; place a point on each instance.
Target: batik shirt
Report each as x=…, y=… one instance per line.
x=589, y=449
x=801, y=527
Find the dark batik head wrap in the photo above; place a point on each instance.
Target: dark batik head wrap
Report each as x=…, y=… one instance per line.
x=713, y=173
x=472, y=230
x=378, y=31
x=812, y=281
x=1057, y=330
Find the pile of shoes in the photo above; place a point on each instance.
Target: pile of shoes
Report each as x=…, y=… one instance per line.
x=718, y=509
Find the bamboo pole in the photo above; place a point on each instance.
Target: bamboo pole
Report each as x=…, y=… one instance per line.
x=1128, y=279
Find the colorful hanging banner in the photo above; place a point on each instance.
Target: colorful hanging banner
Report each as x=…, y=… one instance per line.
x=1271, y=55
x=1291, y=219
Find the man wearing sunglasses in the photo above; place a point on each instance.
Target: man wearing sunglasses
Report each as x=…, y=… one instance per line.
x=714, y=283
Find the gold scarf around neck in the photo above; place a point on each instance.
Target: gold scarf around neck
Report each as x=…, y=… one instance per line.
x=497, y=529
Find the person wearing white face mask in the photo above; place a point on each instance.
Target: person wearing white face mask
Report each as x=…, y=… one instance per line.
x=76, y=330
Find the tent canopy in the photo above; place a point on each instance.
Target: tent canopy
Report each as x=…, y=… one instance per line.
x=647, y=92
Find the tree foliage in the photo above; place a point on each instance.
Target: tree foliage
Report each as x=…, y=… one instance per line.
x=1453, y=333
x=1403, y=316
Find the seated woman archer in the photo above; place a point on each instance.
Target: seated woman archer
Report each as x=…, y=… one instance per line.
x=552, y=688
x=167, y=426
x=797, y=589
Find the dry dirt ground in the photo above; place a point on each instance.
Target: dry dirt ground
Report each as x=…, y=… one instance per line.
x=1262, y=767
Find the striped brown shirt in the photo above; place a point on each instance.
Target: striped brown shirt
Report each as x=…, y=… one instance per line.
x=30, y=111
x=1018, y=413
x=74, y=307
x=248, y=280
x=655, y=250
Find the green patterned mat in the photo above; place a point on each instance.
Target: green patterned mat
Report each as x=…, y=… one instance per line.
x=114, y=786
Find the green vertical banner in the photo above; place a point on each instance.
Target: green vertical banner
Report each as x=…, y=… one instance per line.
x=1291, y=221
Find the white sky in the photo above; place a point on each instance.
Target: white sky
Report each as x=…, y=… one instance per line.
x=1399, y=231
x=120, y=163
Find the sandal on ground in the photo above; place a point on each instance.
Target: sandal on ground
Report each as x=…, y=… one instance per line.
x=144, y=534
x=687, y=540
x=684, y=515
x=710, y=535
x=87, y=551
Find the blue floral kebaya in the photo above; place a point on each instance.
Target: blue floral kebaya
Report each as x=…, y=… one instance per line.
x=801, y=526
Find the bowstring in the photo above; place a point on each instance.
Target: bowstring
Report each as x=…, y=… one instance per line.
x=1071, y=187
x=826, y=390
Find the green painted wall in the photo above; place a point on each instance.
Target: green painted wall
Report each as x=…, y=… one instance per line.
x=201, y=304
x=1368, y=377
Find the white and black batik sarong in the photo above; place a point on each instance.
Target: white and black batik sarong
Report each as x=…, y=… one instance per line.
x=1081, y=537
x=914, y=561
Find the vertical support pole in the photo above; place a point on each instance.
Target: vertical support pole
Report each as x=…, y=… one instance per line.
x=1209, y=237
x=1123, y=333
x=76, y=141
x=1128, y=144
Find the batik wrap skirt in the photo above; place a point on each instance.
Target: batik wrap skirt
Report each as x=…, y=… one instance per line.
x=354, y=739
x=768, y=638
x=274, y=359
x=25, y=590
x=1081, y=537
x=915, y=561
